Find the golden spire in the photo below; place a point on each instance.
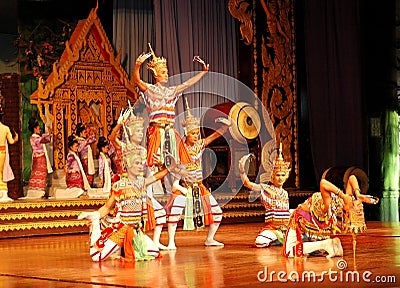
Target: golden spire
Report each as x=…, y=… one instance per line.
x=190, y=122
x=156, y=62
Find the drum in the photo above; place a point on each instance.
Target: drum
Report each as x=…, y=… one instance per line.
x=340, y=175
x=246, y=123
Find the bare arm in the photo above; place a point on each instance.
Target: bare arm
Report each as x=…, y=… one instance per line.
x=106, y=208
x=195, y=78
x=113, y=136
x=10, y=138
x=327, y=188
x=243, y=175
x=157, y=176
x=136, y=72
x=220, y=131
x=181, y=87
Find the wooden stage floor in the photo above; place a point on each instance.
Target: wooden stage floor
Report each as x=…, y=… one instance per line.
x=63, y=261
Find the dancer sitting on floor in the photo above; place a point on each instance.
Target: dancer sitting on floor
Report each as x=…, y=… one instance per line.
x=75, y=177
x=106, y=175
x=133, y=132
x=275, y=200
x=191, y=194
x=129, y=196
x=324, y=214
x=86, y=137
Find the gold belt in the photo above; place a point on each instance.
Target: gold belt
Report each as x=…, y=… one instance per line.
x=159, y=125
x=38, y=155
x=190, y=184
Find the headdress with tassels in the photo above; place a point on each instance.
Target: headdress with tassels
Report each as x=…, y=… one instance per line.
x=280, y=165
x=190, y=122
x=156, y=62
x=130, y=150
x=132, y=122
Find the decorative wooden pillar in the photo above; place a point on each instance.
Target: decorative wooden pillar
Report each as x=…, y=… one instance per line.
x=11, y=101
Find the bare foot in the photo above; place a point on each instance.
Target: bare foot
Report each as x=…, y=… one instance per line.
x=161, y=246
x=171, y=247
x=337, y=245
x=213, y=242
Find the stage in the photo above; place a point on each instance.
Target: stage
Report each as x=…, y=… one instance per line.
x=63, y=261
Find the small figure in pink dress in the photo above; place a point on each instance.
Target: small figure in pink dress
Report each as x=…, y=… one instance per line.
x=41, y=166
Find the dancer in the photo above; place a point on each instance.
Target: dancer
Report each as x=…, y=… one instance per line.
x=77, y=184
x=191, y=194
x=160, y=100
x=275, y=200
x=129, y=196
x=324, y=214
x=41, y=166
x=105, y=172
x=85, y=151
x=133, y=128
x=106, y=175
x=6, y=173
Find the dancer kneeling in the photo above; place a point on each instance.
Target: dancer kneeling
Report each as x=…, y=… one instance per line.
x=126, y=231
x=324, y=214
x=275, y=200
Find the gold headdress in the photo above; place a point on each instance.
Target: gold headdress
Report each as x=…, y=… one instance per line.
x=156, y=63
x=131, y=151
x=190, y=122
x=132, y=122
x=280, y=165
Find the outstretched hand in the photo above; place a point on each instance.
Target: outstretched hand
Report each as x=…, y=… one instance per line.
x=206, y=67
x=225, y=121
x=243, y=161
x=171, y=164
x=142, y=57
x=123, y=116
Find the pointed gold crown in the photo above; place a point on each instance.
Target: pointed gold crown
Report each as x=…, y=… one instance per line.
x=133, y=121
x=190, y=122
x=130, y=153
x=156, y=62
x=280, y=165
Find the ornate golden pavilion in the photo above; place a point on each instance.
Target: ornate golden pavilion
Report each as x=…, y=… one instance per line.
x=88, y=85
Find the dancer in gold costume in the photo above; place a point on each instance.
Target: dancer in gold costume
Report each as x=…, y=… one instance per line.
x=6, y=173
x=275, y=200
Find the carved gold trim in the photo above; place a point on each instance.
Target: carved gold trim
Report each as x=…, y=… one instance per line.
x=279, y=86
x=53, y=204
x=242, y=214
x=43, y=225
x=242, y=11
x=61, y=71
x=243, y=205
x=39, y=215
x=87, y=72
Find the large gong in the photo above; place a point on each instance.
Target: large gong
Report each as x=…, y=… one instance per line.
x=245, y=119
